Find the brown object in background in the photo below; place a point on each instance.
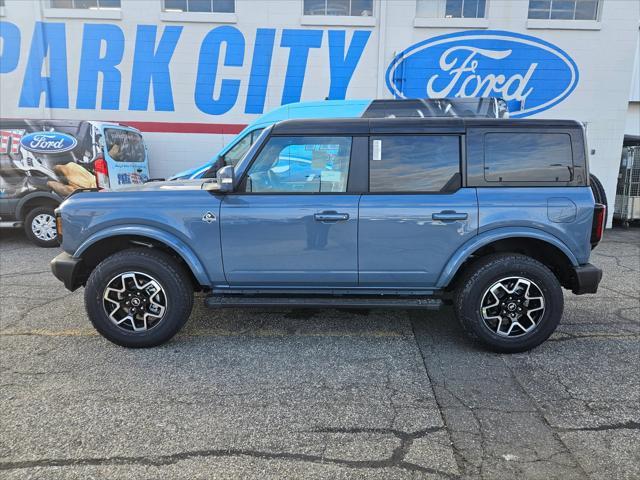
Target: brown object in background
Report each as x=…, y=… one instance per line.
x=60, y=188
x=76, y=175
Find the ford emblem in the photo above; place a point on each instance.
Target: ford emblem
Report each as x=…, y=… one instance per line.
x=531, y=75
x=48, y=142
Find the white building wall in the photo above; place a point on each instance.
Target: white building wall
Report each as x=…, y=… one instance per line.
x=602, y=50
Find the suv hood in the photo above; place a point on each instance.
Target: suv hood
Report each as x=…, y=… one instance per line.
x=165, y=186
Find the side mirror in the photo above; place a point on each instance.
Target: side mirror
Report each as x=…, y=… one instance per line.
x=226, y=179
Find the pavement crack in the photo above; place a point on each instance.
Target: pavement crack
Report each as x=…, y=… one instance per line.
x=629, y=425
x=163, y=460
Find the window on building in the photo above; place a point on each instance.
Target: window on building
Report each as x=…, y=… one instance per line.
x=353, y=8
x=414, y=163
x=1, y=3
x=302, y=165
x=527, y=157
x=85, y=4
x=563, y=9
x=451, y=8
x=210, y=6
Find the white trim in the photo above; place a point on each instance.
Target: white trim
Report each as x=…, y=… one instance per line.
x=424, y=22
x=198, y=17
x=563, y=24
x=100, y=14
x=338, y=20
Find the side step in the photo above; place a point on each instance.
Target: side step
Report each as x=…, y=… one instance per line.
x=247, y=301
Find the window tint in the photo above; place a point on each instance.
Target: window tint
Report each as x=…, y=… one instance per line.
x=211, y=6
x=84, y=4
x=414, y=163
x=124, y=145
x=301, y=164
x=527, y=157
x=239, y=149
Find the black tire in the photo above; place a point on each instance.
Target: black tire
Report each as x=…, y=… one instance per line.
x=482, y=275
x=599, y=193
x=161, y=267
x=33, y=227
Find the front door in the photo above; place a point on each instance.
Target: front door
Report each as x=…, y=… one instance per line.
x=292, y=222
x=416, y=215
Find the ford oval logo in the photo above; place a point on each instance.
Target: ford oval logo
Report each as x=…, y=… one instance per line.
x=530, y=74
x=48, y=142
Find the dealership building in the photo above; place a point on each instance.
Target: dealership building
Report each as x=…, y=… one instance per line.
x=190, y=74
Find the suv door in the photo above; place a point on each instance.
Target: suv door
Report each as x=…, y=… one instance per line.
x=416, y=213
x=293, y=221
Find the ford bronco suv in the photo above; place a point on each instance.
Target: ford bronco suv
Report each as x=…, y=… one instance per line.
x=495, y=216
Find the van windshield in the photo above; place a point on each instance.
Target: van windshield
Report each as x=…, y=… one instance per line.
x=124, y=145
x=235, y=153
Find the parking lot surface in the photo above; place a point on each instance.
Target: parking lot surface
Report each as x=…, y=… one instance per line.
x=317, y=394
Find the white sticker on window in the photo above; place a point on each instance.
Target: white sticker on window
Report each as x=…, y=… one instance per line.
x=377, y=150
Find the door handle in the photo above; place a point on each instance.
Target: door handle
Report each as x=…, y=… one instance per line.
x=449, y=216
x=331, y=217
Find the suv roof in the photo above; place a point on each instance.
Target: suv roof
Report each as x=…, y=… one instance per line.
x=364, y=126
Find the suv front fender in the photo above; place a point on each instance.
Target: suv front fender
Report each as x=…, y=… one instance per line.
x=485, y=238
x=162, y=236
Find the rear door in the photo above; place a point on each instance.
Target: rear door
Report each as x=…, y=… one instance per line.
x=294, y=221
x=416, y=213
x=126, y=156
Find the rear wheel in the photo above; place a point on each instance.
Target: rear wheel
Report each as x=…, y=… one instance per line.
x=509, y=302
x=40, y=227
x=139, y=297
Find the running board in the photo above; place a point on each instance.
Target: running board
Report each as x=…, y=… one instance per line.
x=245, y=301
x=10, y=224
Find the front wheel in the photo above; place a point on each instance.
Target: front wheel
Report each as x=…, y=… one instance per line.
x=509, y=302
x=139, y=297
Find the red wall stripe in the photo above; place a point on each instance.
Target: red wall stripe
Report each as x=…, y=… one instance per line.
x=165, y=127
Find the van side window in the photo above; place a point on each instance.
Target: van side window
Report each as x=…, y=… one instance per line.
x=527, y=157
x=301, y=164
x=414, y=163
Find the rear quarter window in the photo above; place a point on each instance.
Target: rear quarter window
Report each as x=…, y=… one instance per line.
x=527, y=157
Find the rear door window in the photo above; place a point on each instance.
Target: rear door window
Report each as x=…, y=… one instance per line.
x=527, y=157
x=414, y=163
x=124, y=145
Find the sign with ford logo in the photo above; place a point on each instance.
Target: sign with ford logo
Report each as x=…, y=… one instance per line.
x=532, y=75
x=48, y=142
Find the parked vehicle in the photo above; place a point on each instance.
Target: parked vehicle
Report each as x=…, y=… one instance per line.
x=495, y=215
x=488, y=107
x=43, y=161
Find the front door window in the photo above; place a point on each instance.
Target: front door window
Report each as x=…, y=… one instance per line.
x=301, y=165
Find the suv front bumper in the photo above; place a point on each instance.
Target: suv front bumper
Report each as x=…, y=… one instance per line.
x=68, y=270
x=586, y=279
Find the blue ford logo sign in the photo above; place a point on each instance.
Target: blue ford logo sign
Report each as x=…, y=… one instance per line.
x=48, y=142
x=530, y=74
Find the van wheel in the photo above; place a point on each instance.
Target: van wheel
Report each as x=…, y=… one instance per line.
x=40, y=227
x=139, y=297
x=509, y=302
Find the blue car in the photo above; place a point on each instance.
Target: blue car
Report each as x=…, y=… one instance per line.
x=495, y=216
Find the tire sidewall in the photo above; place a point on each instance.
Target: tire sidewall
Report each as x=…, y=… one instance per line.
x=28, y=222
x=178, y=308
x=532, y=270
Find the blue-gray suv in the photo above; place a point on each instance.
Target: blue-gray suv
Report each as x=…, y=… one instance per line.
x=495, y=216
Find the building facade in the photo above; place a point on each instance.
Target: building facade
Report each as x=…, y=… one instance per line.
x=191, y=73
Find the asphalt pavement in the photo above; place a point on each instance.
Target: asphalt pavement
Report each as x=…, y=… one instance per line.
x=319, y=393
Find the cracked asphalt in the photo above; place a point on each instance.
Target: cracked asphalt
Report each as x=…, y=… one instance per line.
x=317, y=394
